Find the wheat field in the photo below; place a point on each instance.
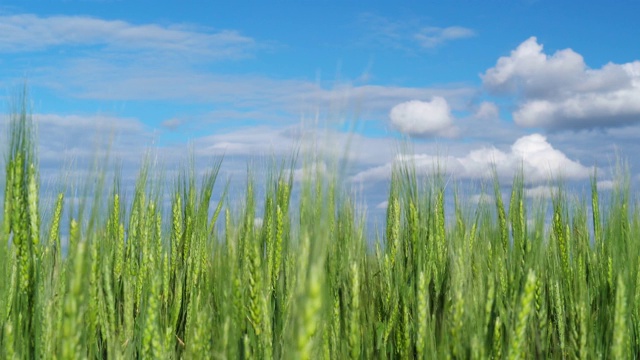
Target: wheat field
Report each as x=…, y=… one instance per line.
x=124, y=279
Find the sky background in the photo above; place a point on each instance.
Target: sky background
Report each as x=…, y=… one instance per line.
x=552, y=86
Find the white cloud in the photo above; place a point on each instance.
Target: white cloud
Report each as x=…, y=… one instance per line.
x=423, y=118
x=311, y=171
x=487, y=111
x=172, y=123
x=481, y=199
x=27, y=32
x=80, y=139
x=530, y=70
x=98, y=79
x=538, y=159
x=582, y=111
x=405, y=34
x=383, y=205
x=69, y=146
x=540, y=192
x=561, y=92
x=607, y=184
x=542, y=161
x=249, y=141
x=432, y=36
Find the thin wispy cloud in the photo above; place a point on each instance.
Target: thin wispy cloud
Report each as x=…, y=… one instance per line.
x=172, y=124
x=409, y=35
x=431, y=36
x=82, y=134
x=29, y=33
x=102, y=80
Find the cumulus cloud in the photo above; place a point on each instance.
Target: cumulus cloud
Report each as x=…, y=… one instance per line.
x=423, y=118
x=27, y=32
x=532, y=153
x=432, y=36
x=560, y=91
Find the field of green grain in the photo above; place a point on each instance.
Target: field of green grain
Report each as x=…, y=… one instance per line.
x=205, y=280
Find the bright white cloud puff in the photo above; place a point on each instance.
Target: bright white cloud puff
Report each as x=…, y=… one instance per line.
x=423, y=118
x=561, y=92
x=532, y=153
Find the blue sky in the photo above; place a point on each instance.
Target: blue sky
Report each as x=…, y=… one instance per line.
x=551, y=85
